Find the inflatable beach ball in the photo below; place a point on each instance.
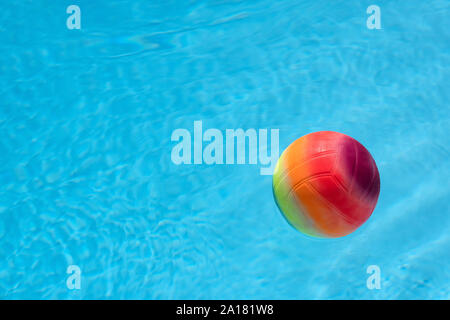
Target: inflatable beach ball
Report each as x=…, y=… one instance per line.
x=326, y=184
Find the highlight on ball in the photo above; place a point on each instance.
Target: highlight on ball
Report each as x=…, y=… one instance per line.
x=326, y=184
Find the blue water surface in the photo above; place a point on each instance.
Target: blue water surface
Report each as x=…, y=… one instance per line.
x=86, y=118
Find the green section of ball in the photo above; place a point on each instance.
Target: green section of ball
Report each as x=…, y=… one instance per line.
x=287, y=203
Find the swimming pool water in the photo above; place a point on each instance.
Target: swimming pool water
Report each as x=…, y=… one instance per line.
x=86, y=118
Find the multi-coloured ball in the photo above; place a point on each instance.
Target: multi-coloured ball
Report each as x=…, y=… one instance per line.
x=326, y=184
